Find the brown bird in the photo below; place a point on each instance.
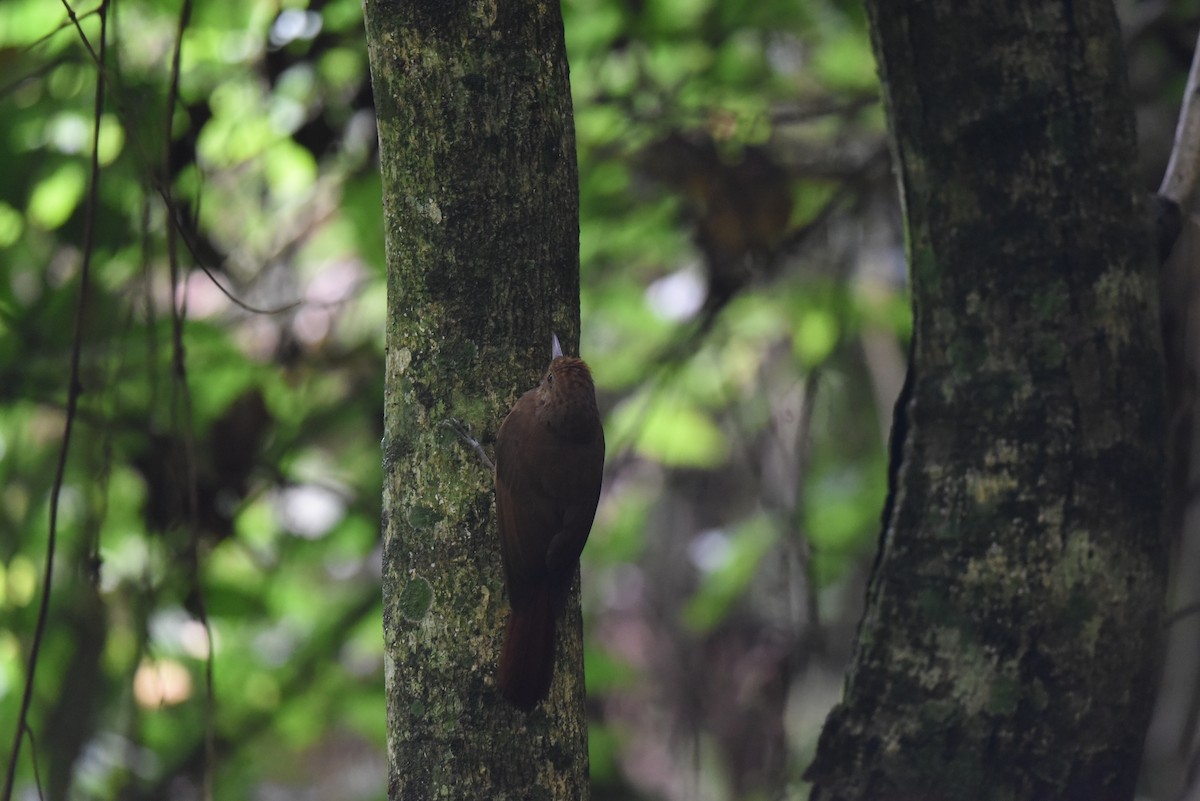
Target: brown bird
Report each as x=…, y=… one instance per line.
x=549, y=463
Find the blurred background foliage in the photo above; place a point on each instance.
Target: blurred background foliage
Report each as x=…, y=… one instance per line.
x=744, y=311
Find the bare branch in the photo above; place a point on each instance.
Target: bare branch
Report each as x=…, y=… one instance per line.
x=74, y=389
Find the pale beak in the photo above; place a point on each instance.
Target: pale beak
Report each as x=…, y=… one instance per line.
x=555, y=347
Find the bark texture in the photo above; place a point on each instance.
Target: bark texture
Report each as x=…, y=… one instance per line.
x=480, y=194
x=1010, y=644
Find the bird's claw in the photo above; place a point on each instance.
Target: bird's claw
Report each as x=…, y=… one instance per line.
x=457, y=427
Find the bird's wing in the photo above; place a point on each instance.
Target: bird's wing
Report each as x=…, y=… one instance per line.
x=526, y=513
x=581, y=478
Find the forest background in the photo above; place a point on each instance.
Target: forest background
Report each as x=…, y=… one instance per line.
x=743, y=309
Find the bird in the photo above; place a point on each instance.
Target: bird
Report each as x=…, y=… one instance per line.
x=549, y=468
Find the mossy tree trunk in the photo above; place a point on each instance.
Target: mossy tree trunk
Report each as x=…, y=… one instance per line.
x=480, y=194
x=1009, y=648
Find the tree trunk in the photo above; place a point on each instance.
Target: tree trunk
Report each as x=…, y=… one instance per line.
x=480, y=195
x=1010, y=644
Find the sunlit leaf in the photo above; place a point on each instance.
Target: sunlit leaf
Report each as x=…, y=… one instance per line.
x=815, y=335
x=22, y=582
x=590, y=26
x=668, y=430
x=676, y=15
x=57, y=195
x=846, y=62
x=11, y=225
x=290, y=168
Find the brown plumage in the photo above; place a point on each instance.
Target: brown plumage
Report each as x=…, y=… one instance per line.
x=549, y=461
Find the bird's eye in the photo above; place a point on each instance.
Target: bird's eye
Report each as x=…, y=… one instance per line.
x=549, y=378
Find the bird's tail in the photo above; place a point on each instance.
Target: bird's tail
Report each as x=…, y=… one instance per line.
x=527, y=661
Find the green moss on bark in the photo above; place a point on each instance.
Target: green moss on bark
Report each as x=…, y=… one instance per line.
x=480, y=206
x=1008, y=649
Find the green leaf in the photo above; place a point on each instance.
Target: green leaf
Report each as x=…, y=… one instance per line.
x=669, y=430
x=56, y=196
x=676, y=15
x=291, y=170
x=845, y=61
x=591, y=27
x=11, y=225
x=815, y=336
